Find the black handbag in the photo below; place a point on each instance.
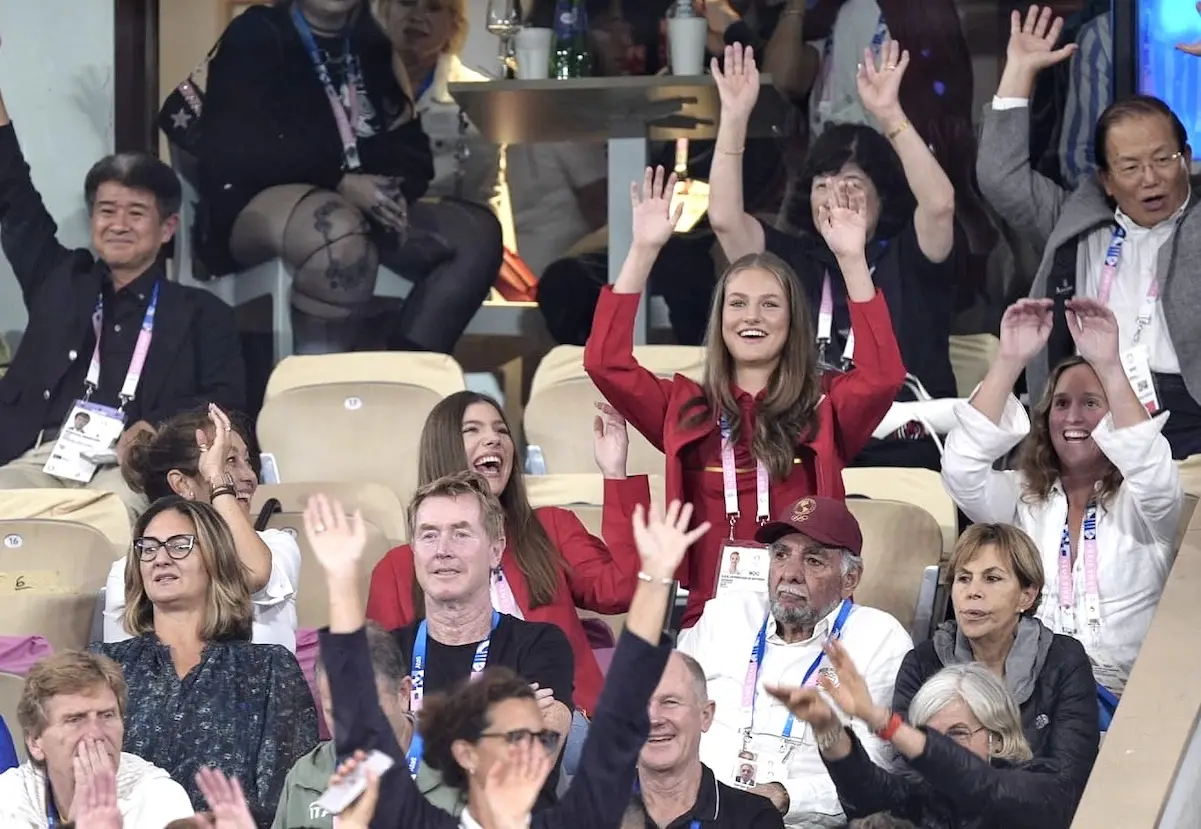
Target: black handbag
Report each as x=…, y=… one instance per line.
x=179, y=117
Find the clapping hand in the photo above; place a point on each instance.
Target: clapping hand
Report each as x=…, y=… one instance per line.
x=654, y=220
x=663, y=540
x=225, y=799
x=847, y=687
x=880, y=87
x=336, y=541
x=1025, y=329
x=805, y=704
x=842, y=220
x=95, y=803
x=1095, y=332
x=513, y=784
x=213, y=453
x=1032, y=41
x=737, y=83
x=1191, y=48
x=611, y=441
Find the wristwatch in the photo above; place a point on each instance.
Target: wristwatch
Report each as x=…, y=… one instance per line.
x=221, y=485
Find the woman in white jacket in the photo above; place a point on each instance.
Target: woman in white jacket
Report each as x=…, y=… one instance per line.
x=1095, y=485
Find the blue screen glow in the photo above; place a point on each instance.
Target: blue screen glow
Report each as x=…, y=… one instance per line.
x=1162, y=70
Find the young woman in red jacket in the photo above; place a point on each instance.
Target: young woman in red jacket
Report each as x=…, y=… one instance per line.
x=788, y=429
x=552, y=564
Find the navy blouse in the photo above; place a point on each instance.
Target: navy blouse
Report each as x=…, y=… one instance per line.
x=244, y=709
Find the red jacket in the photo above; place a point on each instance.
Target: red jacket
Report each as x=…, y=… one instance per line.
x=593, y=576
x=854, y=404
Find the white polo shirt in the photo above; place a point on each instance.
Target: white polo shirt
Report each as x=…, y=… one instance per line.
x=722, y=642
x=274, y=606
x=1136, y=530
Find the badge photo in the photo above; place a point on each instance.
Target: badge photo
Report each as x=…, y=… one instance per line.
x=742, y=568
x=745, y=768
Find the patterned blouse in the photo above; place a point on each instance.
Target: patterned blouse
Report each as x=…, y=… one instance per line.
x=244, y=709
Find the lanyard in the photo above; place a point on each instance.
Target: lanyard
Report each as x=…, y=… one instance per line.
x=502, y=595
x=825, y=322
x=729, y=479
x=750, y=686
x=141, y=348
x=51, y=810
x=1067, y=582
x=420, y=91
x=1109, y=272
x=478, y=663
x=345, y=120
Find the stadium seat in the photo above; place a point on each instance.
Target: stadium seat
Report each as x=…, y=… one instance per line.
x=380, y=505
x=971, y=355
x=920, y=487
x=101, y=510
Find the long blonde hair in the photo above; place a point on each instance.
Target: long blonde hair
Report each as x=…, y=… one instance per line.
x=787, y=415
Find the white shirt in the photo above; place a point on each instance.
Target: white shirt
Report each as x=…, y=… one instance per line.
x=147, y=797
x=1136, y=531
x=722, y=642
x=274, y=606
x=835, y=98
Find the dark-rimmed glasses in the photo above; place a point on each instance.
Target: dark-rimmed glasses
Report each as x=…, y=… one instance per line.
x=518, y=736
x=177, y=546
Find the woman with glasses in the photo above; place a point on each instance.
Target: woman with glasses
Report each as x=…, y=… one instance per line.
x=996, y=588
x=969, y=765
x=200, y=693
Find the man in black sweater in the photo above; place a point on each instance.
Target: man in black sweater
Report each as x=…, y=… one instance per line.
x=108, y=336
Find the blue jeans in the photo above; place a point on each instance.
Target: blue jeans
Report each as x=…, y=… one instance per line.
x=573, y=749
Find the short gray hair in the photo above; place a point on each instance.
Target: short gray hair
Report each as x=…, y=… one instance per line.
x=986, y=697
x=700, y=686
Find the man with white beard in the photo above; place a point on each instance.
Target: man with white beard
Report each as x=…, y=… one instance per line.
x=745, y=640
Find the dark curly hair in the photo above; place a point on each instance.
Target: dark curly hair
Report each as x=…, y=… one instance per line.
x=172, y=445
x=464, y=714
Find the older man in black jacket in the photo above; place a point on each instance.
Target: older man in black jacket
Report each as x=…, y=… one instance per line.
x=108, y=336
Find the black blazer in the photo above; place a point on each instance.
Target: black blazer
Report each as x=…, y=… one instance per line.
x=195, y=356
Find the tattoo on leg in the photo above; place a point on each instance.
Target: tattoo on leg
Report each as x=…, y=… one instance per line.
x=349, y=276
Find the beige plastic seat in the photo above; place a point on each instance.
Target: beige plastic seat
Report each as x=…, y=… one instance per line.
x=102, y=510
x=920, y=487
x=11, y=687
x=585, y=496
x=902, y=545
x=312, y=598
x=561, y=408
x=353, y=417
x=380, y=505
x=971, y=355
x=50, y=574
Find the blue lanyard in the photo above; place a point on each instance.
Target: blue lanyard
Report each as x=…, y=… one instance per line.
x=478, y=663
x=346, y=121
x=51, y=809
x=425, y=86
x=760, y=649
x=310, y=43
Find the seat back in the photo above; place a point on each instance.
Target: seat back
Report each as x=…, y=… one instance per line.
x=899, y=542
x=353, y=417
x=379, y=504
x=920, y=487
x=11, y=687
x=971, y=355
x=561, y=408
x=101, y=510
x=312, y=598
x=50, y=573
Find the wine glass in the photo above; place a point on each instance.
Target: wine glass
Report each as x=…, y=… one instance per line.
x=504, y=21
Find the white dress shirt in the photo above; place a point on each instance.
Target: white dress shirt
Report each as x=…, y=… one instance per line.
x=274, y=606
x=722, y=642
x=1136, y=529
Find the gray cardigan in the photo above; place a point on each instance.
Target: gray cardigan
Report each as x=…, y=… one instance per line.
x=1055, y=218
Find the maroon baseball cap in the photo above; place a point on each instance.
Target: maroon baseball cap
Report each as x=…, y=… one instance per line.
x=826, y=520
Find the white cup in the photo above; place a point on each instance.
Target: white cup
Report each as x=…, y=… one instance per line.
x=686, y=40
x=533, y=54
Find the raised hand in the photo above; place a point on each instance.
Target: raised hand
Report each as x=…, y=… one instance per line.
x=336, y=541
x=849, y=690
x=1025, y=329
x=663, y=540
x=226, y=801
x=880, y=86
x=610, y=441
x=1191, y=48
x=1032, y=41
x=842, y=220
x=654, y=220
x=512, y=785
x=95, y=802
x=805, y=704
x=737, y=83
x=213, y=453
x=1095, y=332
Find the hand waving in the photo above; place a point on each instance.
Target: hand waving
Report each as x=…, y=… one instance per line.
x=738, y=83
x=336, y=541
x=1032, y=41
x=1191, y=48
x=880, y=87
x=1025, y=329
x=849, y=691
x=1095, y=332
x=663, y=541
x=226, y=800
x=214, y=453
x=95, y=805
x=654, y=220
x=842, y=220
x=805, y=704
x=512, y=785
x=611, y=441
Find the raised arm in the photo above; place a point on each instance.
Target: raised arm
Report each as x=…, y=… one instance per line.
x=636, y=393
x=879, y=90
x=738, y=232
x=1027, y=200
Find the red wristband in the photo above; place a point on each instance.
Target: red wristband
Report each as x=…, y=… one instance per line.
x=894, y=722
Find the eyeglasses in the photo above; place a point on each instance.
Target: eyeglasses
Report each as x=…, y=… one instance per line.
x=178, y=546
x=1159, y=164
x=518, y=736
x=962, y=734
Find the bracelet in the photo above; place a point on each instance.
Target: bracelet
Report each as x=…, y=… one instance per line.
x=724, y=151
x=826, y=741
x=894, y=722
x=222, y=490
x=898, y=129
x=649, y=579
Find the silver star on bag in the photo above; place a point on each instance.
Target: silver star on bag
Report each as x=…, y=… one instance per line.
x=181, y=119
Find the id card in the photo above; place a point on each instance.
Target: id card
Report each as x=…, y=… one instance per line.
x=742, y=568
x=746, y=768
x=1136, y=362
x=90, y=431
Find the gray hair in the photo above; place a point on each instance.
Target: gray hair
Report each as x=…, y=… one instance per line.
x=700, y=686
x=986, y=697
x=850, y=562
x=387, y=662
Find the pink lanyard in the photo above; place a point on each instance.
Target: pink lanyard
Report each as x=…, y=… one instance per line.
x=729, y=477
x=1067, y=581
x=502, y=595
x=825, y=322
x=345, y=121
x=1109, y=272
x=141, y=348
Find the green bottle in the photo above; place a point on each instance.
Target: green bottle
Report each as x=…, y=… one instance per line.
x=571, y=56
